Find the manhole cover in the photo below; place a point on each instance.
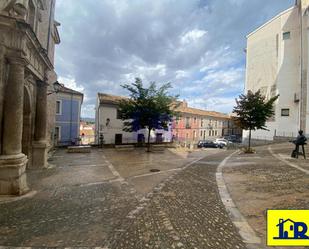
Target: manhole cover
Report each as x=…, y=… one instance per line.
x=154, y=170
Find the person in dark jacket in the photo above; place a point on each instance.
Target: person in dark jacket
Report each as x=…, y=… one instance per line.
x=300, y=141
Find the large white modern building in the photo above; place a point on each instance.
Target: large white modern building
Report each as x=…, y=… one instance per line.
x=277, y=63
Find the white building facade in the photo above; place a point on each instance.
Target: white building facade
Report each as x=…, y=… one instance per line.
x=109, y=124
x=277, y=63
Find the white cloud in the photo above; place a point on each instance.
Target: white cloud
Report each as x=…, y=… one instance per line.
x=180, y=74
x=70, y=82
x=192, y=36
x=220, y=104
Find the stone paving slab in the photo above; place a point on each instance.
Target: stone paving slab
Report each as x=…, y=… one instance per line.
x=79, y=216
x=186, y=212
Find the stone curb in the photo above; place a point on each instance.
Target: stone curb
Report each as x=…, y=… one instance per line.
x=247, y=234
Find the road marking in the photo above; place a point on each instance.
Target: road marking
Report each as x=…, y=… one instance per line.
x=246, y=232
x=287, y=162
x=113, y=170
x=83, y=165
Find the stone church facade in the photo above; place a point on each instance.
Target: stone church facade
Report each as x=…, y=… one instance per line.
x=28, y=34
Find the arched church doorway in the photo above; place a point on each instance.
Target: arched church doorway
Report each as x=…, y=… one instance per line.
x=27, y=126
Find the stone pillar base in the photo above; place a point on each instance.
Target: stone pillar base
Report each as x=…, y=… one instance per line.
x=39, y=155
x=13, y=179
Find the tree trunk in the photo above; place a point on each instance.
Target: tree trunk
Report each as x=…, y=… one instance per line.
x=249, y=139
x=148, y=143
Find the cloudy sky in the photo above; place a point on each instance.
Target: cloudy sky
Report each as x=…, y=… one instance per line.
x=197, y=45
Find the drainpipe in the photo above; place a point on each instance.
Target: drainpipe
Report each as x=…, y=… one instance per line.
x=304, y=65
x=71, y=116
x=301, y=63
x=98, y=123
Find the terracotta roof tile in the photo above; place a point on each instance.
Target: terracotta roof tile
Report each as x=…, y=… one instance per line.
x=64, y=89
x=110, y=99
x=199, y=112
x=183, y=108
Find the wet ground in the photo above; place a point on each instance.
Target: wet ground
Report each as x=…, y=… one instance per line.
x=83, y=198
x=111, y=199
x=260, y=181
x=184, y=212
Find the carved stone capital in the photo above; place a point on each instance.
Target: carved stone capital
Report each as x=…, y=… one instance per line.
x=18, y=61
x=7, y=5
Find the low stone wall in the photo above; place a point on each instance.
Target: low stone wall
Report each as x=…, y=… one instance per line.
x=79, y=149
x=283, y=139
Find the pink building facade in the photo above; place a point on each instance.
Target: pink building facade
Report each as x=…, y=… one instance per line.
x=193, y=124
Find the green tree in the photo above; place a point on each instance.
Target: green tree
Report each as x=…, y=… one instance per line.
x=252, y=111
x=147, y=108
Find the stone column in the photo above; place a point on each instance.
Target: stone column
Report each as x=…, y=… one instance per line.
x=40, y=143
x=12, y=161
x=13, y=110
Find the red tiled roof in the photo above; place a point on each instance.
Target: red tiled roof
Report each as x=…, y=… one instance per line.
x=110, y=99
x=64, y=89
x=199, y=112
x=182, y=108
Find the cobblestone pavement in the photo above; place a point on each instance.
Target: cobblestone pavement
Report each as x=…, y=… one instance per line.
x=79, y=202
x=185, y=212
x=84, y=202
x=82, y=216
x=260, y=181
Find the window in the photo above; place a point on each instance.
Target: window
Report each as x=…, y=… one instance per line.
x=57, y=133
x=118, y=114
x=58, y=107
x=202, y=122
x=201, y=133
x=285, y=112
x=286, y=35
x=194, y=120
x=188, y=123
x=210, y=133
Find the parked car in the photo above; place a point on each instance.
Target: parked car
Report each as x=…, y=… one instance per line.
x=233, y=139
x=222, y=141
x=208, y=144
